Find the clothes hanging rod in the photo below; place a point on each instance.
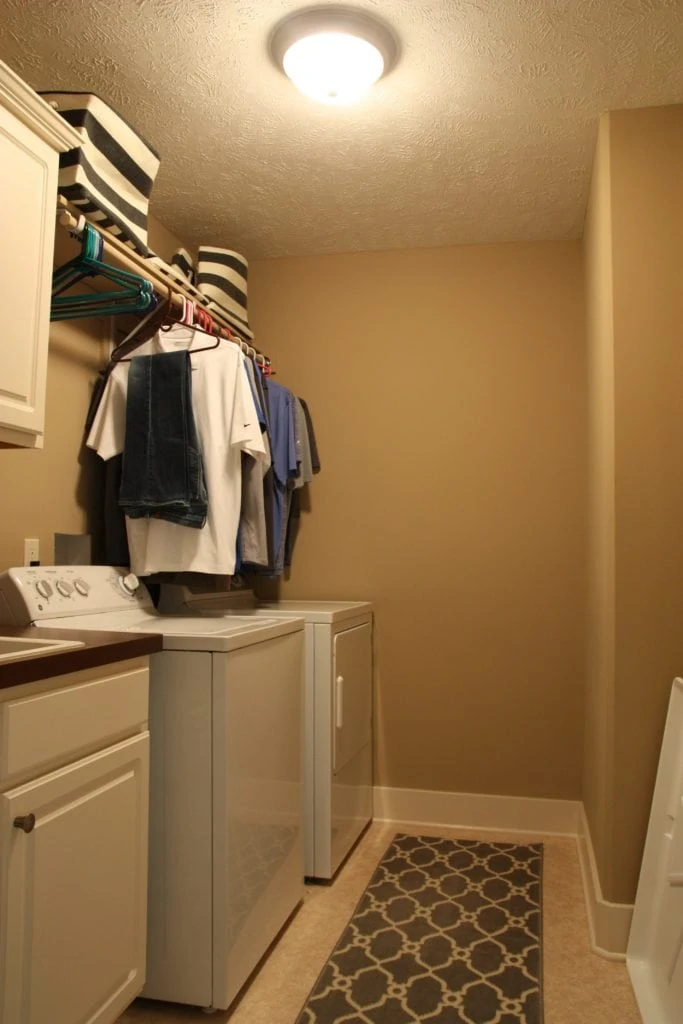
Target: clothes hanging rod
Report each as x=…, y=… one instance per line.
x=68, y=217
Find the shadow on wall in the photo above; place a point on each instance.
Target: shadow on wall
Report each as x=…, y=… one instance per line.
x=89, y=490
x=80, y=344
x=269, y=589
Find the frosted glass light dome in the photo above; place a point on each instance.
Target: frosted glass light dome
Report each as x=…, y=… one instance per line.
x=333, y=54
x=333, y=67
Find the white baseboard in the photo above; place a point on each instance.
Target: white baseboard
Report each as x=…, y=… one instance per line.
x=477, y=810
x=609, y=923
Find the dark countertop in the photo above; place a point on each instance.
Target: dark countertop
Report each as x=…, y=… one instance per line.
x=98, y=649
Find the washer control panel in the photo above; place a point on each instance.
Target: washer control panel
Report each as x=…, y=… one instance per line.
x=28, y=594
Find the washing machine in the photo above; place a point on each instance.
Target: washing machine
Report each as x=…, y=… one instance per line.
x=338, y=703
x=226, y=852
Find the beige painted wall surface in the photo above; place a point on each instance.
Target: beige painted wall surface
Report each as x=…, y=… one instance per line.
x=633, y=259
x=448, y=389
x=50, y=490
x=56, y=489
x=45, y=491
x=598, y=782
x=162, y=241
x=647, y=205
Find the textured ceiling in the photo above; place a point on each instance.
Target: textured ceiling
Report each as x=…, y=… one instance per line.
x=484, y=132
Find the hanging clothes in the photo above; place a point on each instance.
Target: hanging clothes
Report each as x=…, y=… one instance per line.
x=285, y=466
x=310, y=464
x=253, y=536
x=163, y=474
x=305, y=474
x=269, y=477
x=113, y=542
x=227, y=424
x=315, y=457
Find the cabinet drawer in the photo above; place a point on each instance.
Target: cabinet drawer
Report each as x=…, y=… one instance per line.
x=52, y=727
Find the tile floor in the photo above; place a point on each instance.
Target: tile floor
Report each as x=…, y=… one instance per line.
x=580, y=987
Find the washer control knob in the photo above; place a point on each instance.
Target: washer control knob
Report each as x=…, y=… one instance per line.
x=82, y=587
x=130, y=583
x=44, y=589
x=64, y=588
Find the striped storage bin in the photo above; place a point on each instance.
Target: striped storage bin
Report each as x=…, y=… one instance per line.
x=111, y=176
x=223, y=288
x=222, y=277
x=182, y=265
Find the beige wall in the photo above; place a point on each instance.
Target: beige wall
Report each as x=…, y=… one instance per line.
x=56, y=490
x=599, y=721
x=162, y=241
x=647, y=205
x=45, y=491
x=448, y=392
x=641, y=208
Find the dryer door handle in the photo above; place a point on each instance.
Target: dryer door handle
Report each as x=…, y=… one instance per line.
x=339, y=702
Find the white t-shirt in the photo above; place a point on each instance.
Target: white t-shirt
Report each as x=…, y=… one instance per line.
x=227, y=424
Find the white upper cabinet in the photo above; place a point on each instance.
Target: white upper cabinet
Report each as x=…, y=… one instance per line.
x=31, y=137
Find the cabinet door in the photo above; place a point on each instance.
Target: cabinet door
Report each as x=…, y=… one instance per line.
x=352, y=683
x=28, y=180
x=74, y=892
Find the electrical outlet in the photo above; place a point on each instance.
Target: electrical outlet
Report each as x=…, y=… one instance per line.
x=31, y=551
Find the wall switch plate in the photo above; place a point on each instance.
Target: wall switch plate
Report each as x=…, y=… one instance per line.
x=31, y=551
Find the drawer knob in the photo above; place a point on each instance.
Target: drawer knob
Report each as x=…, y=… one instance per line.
x=26, y=822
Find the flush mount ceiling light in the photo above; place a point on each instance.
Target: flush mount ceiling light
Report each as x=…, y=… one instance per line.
x=333, y=54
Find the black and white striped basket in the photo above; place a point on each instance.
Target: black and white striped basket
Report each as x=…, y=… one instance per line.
x=222, y=277
x=182, y=265
x=223, y=280
x=111, y=176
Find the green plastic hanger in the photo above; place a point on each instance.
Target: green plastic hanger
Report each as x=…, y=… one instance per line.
x=134, y=294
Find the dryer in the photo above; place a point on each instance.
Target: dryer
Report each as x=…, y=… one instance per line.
x=338, y=709
x=226, y=858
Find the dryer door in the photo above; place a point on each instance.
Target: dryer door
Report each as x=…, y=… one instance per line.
x=352, y=692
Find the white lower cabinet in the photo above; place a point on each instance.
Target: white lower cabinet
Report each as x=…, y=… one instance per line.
x=73, y=888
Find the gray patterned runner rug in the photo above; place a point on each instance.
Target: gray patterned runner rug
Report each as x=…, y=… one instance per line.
x=448, y=931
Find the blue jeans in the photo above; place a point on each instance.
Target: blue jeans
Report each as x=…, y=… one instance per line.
x=163, y=474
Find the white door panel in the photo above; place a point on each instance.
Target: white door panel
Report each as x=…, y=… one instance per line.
x=668, y=941
x=75, y=895
x=350, y=812
x=352, y=692
x=655, y=953
x=180, y=829
x=258, y=844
